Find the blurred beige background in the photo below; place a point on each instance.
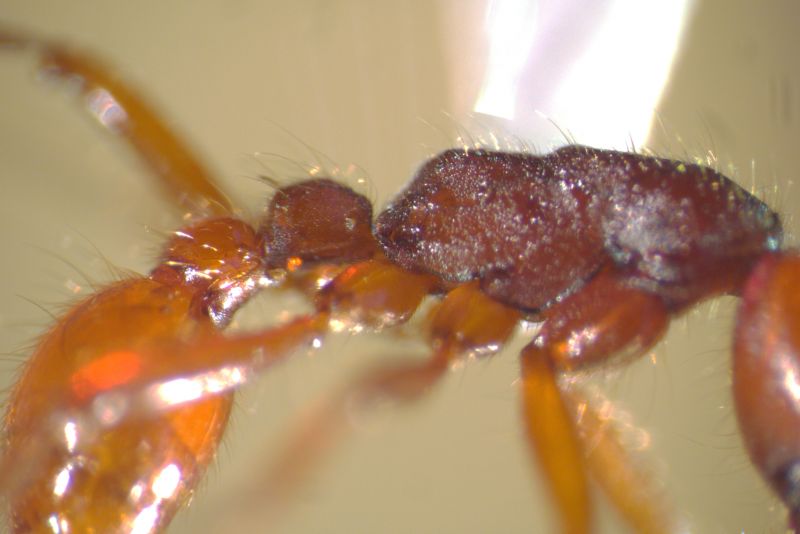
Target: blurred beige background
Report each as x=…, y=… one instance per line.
x=374, y=84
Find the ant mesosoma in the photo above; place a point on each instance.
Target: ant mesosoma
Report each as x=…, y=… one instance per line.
x=120, y=409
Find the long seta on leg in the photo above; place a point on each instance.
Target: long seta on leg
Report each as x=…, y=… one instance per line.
x=605, y=319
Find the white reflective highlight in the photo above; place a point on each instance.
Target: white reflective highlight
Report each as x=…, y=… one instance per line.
x=136, y=492
x=596, y=69
x=58, y=526
x=180, y=390
x=791, y=384
x=183, y=390
x=71, y=435
x=579, y=339
x=166, y=483
x=145, y=521
x=62, y=482
x=104, y=107
x=509, y=25
x=236, y=291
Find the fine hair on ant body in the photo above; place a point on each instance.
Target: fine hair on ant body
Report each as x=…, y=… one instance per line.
x=603, y=246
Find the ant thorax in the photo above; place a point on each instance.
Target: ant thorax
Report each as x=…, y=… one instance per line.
x=533, y=228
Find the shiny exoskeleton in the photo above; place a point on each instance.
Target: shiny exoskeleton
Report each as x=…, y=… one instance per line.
x=122, y=405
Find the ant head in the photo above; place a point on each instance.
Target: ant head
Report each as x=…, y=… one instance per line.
x=317, y=221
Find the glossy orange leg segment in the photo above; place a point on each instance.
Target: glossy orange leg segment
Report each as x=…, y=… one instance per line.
x=373, y=293
x=470, y=322
x=549, y=427
x=602, y=320
x=117, y=107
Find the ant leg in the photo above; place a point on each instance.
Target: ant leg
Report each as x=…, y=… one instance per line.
x=766, y=375
x=118, y=108
x=324, y=425
x=603, y=319
x=630, y=487
x=123, y=386
x=142, y=383
x=555, y=443
x=374, y=293
x=465, y=321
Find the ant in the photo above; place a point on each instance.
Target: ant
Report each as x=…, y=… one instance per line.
x=121, y=408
